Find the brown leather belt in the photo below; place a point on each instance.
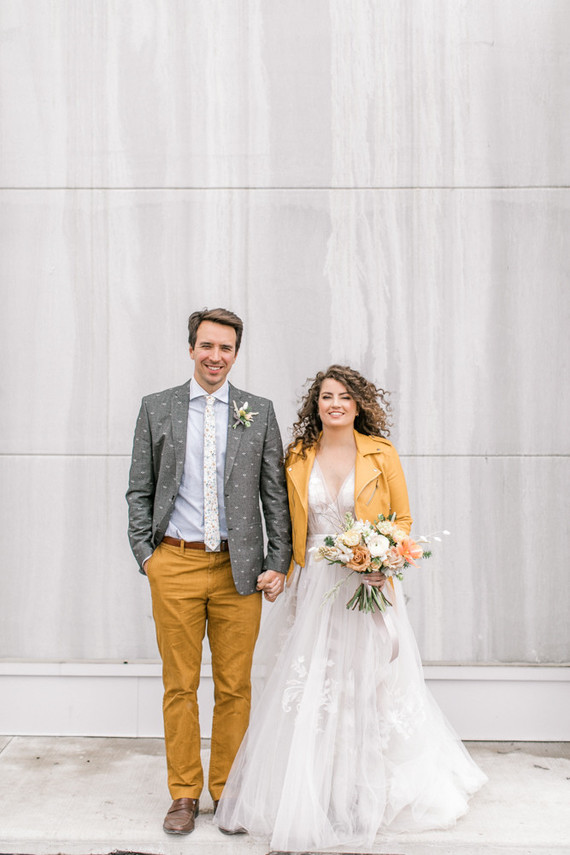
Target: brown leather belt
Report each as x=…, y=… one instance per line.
x=195, y=544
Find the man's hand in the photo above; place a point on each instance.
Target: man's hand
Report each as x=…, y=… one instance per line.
x=271, y=583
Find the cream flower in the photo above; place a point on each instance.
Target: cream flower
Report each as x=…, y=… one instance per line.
x=350, y=538
x=385, y=527
x=331, y=553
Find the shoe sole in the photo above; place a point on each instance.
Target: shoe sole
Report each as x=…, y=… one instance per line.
x=168, y=831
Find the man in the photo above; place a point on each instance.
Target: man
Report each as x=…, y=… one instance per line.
x=204, y=455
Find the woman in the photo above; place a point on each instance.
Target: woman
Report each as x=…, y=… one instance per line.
x=345, y=741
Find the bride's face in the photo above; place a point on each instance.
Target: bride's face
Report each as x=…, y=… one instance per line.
x=337, y=407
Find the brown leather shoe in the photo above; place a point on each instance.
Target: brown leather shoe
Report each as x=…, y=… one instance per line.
x=180, y=816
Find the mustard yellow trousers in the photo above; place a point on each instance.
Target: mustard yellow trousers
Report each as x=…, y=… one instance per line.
x=190, y=590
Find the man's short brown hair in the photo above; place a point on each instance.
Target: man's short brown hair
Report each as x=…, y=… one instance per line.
x=217, y=316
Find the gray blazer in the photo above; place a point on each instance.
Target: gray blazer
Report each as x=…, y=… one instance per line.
x=254, y=471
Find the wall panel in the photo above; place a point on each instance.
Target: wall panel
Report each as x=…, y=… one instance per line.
x=205, y=93
x=379, y=183
x=455, y=300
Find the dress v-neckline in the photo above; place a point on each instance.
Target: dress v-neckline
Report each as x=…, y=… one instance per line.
x=334, y=500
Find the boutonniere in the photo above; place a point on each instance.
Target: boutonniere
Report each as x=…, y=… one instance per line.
x=243, y=415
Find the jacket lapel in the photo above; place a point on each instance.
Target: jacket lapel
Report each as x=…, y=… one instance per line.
x=234, y=434
x=179, y=414
x=366, y=468
x=300, y=473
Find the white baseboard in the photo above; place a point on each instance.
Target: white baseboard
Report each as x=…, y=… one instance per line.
x=483, y=702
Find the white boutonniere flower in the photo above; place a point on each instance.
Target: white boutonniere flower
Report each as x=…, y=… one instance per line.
x=243, y=415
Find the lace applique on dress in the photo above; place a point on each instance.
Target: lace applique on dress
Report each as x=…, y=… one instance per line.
x=295, y=687
x=404, y=714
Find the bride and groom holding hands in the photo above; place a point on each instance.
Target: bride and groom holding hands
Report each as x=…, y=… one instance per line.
x=345, y=740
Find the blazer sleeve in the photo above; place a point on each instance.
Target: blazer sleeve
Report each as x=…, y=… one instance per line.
x=140, y=494
x=399, y=503
x=273, y=492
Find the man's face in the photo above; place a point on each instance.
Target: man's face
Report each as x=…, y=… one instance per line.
x=214, y=354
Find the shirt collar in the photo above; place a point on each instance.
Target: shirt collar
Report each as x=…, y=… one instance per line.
x=222, y=394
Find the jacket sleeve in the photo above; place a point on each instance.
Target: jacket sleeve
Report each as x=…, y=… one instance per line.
x=273, y=491
x=399, y=503
x=140, y=494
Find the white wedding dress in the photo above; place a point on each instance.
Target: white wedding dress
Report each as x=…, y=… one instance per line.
x=342, y=743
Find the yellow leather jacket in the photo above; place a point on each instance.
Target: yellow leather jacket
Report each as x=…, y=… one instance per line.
x=379, y=488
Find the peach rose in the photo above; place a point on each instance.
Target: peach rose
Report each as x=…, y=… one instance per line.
x=360, y=560
x=394, y=559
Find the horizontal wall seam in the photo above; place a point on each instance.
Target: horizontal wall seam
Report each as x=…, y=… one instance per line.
x=387, y=188
x=466, y=671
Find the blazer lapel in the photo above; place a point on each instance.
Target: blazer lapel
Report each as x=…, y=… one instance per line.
x=179, y=414
x=234, y=434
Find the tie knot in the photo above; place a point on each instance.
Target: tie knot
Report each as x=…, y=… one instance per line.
x=210, y=400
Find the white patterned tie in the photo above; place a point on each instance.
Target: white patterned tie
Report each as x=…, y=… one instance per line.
x=211, y=520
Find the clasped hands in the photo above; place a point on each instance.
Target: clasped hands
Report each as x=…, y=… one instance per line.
x=271, y=583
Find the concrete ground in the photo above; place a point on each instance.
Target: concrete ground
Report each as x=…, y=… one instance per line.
x=77, y=796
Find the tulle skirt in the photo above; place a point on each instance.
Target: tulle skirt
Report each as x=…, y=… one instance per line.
x=343, y=743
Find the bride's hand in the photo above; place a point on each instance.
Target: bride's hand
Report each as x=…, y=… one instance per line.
x=378, y=580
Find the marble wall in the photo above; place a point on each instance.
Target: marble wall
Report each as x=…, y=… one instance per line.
x=377, y=182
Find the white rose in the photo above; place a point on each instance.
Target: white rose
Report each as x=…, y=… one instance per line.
x=378, y=545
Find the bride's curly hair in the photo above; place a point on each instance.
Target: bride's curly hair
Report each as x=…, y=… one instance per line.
x=373, y=407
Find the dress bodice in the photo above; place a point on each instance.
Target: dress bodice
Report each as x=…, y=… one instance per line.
x=326, y=514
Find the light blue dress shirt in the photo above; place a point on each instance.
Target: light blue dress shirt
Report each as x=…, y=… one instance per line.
x=187, y=519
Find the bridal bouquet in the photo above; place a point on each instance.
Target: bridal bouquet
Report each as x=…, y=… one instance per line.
x=366, y=547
